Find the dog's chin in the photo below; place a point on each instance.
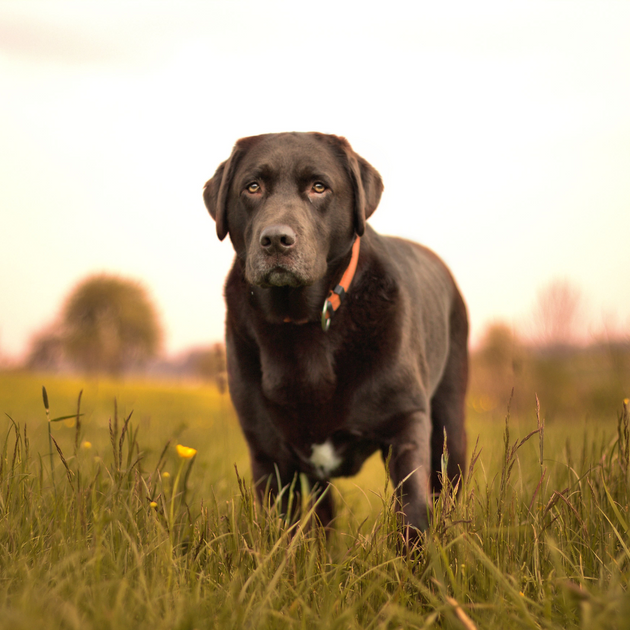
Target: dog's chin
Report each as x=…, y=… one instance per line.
x=280, y=277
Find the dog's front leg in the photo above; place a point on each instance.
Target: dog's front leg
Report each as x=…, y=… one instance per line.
x=409, y=469
x=324, y=504
x=277, y=484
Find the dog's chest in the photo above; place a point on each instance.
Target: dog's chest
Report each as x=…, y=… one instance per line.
x=296, y=372
x=325, y=459
x=341, y=455
x=309, y=402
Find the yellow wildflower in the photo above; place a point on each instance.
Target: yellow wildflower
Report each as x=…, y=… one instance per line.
x=153, y=504
x=86, y=444
x=186, y=452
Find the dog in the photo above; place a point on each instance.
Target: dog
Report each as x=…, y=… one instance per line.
x=340, y=342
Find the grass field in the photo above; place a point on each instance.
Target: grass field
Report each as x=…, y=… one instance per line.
x=124, y=533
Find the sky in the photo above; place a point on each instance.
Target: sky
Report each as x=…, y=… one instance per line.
x=501, y=131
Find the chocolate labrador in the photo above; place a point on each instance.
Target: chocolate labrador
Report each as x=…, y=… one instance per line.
x=340, y=341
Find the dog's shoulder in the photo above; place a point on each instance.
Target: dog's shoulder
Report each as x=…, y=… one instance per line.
x=408, y=266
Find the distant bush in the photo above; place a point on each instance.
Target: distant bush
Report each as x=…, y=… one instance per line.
x=571, y=381
x=108, y=325
x=206, y=363
x=47, y=350
x=209, y=364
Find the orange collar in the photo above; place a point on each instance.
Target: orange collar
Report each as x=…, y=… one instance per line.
x=335, y=297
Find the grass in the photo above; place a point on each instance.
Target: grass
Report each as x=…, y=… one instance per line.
x=126, y=534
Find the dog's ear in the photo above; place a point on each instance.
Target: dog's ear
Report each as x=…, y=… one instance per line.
x=216, y=190
x=212, y=199
x=368, y=187
x=366, y=182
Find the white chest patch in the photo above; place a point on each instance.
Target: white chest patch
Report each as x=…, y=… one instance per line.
x=324, y=458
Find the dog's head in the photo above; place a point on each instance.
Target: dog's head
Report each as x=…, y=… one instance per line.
x=291, y=203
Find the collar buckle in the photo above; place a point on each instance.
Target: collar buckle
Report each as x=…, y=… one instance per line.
x=335, y=297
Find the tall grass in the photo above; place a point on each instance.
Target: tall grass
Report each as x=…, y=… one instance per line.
x=536, y=538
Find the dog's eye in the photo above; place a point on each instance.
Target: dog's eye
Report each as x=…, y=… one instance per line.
x=253, y=188
x=318, y=187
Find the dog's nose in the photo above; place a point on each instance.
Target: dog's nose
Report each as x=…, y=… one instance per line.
x=277, y=239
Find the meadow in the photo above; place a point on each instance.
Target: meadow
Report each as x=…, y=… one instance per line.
x=116, y=529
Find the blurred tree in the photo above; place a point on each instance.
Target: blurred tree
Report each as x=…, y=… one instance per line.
x=209, y=364
x=496, y=364
x=557, y=314
x=109, y=325
x=497, y=347
x=46, y=349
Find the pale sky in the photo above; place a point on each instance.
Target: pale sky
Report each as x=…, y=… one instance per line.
x=501, y=130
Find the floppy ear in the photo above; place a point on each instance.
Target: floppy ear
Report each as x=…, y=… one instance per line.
x=213, y=204
x=215, y=190
x=366, y=182
x=368, y=187
x=215, y=194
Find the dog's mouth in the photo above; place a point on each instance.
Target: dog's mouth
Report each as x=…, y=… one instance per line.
x=294, y=271
x=280, y=276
